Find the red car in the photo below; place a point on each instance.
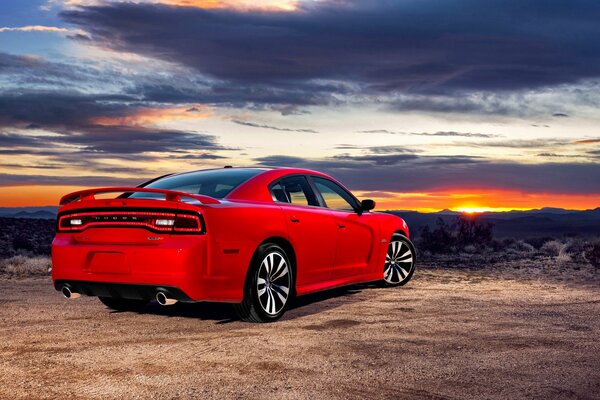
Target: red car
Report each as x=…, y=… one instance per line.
x=255, y=237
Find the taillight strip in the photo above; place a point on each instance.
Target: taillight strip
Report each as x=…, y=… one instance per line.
x=184, y=223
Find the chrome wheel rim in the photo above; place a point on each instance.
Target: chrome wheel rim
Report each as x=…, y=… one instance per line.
x=398, y=262
x=273, y=283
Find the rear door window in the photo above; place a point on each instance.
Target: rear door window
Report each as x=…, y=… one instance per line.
x=294, y=190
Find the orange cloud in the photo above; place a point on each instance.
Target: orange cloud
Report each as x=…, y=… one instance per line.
x=587, y=141
x=264, y=5
x=150, y=116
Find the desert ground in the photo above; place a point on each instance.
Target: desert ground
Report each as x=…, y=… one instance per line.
x=448, y=334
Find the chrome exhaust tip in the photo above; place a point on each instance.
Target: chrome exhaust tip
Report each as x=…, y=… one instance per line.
x=164, y=300
x=69, y=294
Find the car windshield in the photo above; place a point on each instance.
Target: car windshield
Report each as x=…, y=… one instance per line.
x=216, y=183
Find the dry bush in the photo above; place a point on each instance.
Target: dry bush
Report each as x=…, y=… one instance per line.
x=577, y=248
x=22, y=267
x=552, y=248
x=593, y=255
x=563, y=256
x=520, y=246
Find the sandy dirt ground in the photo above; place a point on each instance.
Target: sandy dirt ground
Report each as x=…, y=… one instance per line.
x=449, y=334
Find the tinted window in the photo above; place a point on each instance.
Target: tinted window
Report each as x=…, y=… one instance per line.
x=334, y=195
x=216, y=183
x=294, y=190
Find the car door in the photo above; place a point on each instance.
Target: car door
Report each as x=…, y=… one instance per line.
x=356, y=233
x=312, y=229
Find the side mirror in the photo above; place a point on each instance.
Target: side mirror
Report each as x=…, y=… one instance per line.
x=366, y=205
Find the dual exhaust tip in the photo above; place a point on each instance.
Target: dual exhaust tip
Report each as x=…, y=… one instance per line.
x=162, y=298
x=69, y=294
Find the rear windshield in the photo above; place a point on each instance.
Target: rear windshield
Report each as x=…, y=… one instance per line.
x=214, y=183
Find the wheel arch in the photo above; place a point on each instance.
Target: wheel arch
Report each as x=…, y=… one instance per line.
x=400, y=232
x=289, y=251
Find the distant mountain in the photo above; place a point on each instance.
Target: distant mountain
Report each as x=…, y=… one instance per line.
x=519, y=224
x=47, y=212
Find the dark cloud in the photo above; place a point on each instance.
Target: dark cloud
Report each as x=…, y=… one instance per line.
x=426, y=46
x=201, y=156
x=387, y=159
x=423, y=173
x=521, y=144
x=440, y=133
x=42, y=109
x=276, y=128
x=34, y=70
x=560, y=115
x=135, y=140
x=22, y=180
x=115, y=140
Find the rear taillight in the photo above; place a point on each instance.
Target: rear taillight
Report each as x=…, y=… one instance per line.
x=155, y=221
x=187, y=223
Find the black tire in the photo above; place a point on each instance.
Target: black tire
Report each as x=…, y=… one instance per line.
x=123, y=304
x=400, y=261
x=269, y=286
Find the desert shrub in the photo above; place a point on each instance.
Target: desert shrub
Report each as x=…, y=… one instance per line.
x=25, y=236
x=439, y=240
x=21, y=242
x=577, y=248
x=21, y=266
x=472, y=231
x=521, y=246
x=496, y=245
x=552, y=248
x=593, y=255
x=470, y=249
x=563, y=256
x=468, y=233
x=538, y=241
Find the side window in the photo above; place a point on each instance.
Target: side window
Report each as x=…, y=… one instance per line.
x=334, y=195
x=278, y=194
x=294, y=190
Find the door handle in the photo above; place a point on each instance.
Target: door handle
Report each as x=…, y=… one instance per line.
x=341, y=226
x=294, y=219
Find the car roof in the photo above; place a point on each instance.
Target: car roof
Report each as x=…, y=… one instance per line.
x=283, y=170
x=256, y=187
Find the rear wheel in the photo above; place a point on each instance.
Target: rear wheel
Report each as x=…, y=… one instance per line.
x=267, y=292
x=123, y=304
x=399, y=261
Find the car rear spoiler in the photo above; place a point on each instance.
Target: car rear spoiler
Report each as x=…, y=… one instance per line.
x=170, y=195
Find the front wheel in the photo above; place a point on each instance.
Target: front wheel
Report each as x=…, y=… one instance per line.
x=123, y=304
x=267, y=292
x=399, y=261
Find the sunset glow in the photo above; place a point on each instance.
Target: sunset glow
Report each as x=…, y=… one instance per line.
x=111, y=92
x=151, y=116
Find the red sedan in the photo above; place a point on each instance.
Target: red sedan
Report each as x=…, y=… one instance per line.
x=255, y=237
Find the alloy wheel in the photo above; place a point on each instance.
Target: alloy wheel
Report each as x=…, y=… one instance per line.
x=399, y=262
x=273, y=283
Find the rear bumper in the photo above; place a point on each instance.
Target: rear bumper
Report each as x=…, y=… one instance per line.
x=122, y=290
x=180, y=264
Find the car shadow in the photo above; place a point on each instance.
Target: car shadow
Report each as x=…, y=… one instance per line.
x=223, y=313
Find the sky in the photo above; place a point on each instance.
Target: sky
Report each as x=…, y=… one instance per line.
x=418, y=104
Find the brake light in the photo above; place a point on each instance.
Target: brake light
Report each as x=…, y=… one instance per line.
x=155, y=221
x=187, y=223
